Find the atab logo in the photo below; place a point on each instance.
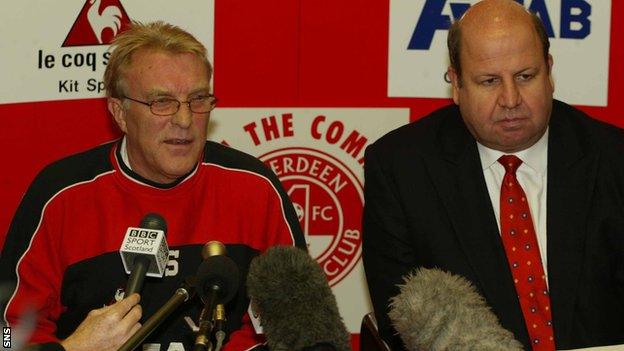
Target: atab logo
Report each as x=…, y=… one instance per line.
x=98, y=23
x=580, y=32
x=574, y=17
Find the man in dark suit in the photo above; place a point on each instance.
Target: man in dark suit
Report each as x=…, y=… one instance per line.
x=519, y=193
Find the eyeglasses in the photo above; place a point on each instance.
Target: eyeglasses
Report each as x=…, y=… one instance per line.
x=168, y=106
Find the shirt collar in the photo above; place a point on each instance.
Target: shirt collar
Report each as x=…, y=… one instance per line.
x=124, y=153
x=536, y=156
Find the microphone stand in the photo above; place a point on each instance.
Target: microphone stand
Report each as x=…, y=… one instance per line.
x=183, y=294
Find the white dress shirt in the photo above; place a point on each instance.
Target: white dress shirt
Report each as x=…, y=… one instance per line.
x=532, y=176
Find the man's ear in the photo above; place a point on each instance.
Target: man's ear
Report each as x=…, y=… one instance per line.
x=455, y=83
x=550, y=75
x=115, y=107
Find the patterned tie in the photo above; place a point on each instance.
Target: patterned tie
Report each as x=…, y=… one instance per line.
x=520, y=241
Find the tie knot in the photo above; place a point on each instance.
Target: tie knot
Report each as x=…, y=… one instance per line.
x=510, y=162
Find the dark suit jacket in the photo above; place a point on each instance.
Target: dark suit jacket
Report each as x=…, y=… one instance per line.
x=427, y=205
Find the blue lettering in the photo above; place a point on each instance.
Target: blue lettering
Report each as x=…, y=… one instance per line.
x=575, y=23
x=458, y=10
x=431, y=19
x=567, y=18
x=539, y=8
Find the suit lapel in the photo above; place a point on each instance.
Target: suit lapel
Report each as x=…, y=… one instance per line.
x=571, y=176
x=462, y=187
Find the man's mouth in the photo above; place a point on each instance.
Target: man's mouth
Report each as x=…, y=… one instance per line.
x=512, y=122
x=178, y=141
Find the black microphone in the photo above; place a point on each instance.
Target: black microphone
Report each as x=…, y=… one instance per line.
x=436, y=310
x=144, y=251
x=297, y=308
x=218, y=285
x=185, y=292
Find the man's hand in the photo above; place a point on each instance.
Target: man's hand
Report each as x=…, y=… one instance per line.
x=106, y=328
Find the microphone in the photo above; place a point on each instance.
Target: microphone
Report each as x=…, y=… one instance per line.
x=217, y=286
x=297, y=308
x=144, y=251
x=185, y=292
x=436, y=310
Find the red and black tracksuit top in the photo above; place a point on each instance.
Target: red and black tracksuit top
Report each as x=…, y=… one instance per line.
x=62, y=248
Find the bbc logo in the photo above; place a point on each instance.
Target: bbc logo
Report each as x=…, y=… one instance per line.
x=6, y=337
x=145, y=234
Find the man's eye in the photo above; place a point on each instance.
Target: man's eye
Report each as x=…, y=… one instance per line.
x=200, y=98
x=524, y=77
x=488, y=82
x=162, y=101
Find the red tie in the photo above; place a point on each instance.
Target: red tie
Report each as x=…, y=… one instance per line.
x=520, y=241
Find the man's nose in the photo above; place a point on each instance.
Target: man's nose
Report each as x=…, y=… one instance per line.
x=184, y=116
x=510, y=95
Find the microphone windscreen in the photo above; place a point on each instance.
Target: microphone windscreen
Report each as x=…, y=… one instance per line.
x=436, y=310
x=297, y=308
x=154, y=221
x=218, y=271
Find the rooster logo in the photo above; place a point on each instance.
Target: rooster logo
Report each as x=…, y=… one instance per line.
x=109, y=18
x=98, y=23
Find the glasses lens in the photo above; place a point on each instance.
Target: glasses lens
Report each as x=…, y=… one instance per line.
x=164, y=106
x=202, y=104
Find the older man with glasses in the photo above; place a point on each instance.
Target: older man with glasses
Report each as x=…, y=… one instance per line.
x=61, y=251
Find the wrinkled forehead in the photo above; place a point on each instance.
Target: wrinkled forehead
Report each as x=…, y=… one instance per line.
x=146, y=56
x=162, y=72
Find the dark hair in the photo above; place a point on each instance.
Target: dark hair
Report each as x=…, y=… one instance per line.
x=453, y=41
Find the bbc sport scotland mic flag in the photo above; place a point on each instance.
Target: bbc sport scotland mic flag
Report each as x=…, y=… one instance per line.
x=148, y=243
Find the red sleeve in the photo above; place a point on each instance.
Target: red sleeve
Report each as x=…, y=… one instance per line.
x=39, y=276
x=244, y=338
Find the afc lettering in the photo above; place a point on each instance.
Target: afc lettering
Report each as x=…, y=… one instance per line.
x=574, y=19
x=322, y=211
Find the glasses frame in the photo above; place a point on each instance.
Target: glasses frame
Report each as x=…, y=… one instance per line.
x=179, y=103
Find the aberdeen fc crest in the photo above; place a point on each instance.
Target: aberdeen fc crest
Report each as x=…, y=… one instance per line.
x=328, y=200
